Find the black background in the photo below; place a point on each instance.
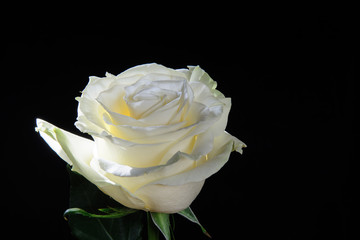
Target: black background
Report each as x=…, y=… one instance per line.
x=291, y=83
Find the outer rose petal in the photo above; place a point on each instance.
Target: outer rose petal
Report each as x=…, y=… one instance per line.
x=77, y=151
x=198, y=74
x=209, y=164
x=135, y=178
x=150, y=68
x=169, y=199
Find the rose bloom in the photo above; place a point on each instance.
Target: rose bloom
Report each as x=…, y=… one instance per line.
x=158, y=134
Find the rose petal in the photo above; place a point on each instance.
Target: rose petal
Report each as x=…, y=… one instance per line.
x=96, y=85
x=115, y=118
x=199, y=75
x=144, y=69
x=140, y=97
x=120, y=173
x=77, y=151
x=159, y=101
x=90, y=112
x=205, y=118
x=89, y=118
x=169, y=199
x=207, y=165
x=153, y=134
x=46, y=131
x=120, y=170
x=113, y=99
x=130, y=153
x=219, y=126
x=203, y=94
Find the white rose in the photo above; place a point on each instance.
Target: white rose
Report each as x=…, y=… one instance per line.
x=158, y=134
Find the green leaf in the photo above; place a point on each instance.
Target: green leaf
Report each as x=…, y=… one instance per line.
x=121, y=211
x=162, y=221
x=189, y=214
x=109, y=214
x=85, y=228
x=88, y=205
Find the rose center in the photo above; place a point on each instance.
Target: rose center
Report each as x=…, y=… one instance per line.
x=145, y=97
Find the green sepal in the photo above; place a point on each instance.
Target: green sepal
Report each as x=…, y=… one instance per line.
x=152, y=230
x=162, y=221
x=189, y=214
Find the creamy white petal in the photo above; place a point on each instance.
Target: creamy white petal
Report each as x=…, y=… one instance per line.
x=185, y=71
x=199, y=119
x=151, y=100
x=203, y=143
x=144, y=69
x=96, y=85
x=203, y=94
x=75, y=150
x=163, y=115
x=46, y=131
x=130, y=153
x=238, y=145
x=86, y=126
x=208, y=164
x=109, y=75
x=219, y=126
x=90, y=116
x=169, y=199
x=115, y=118
x=78, y=152
x=90, y=112
x=198, y=74
x=127, y=171
x=113, y=99
x=205, y=119
x=120, y=194
x=153, y=134
x=195, y=73
x=133, y=178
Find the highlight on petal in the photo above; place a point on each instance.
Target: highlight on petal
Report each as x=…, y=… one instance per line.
x=124, y=170
x=134, y=178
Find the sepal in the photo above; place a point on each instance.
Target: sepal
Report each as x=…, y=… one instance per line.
x=162, y=222
x=189, y=214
